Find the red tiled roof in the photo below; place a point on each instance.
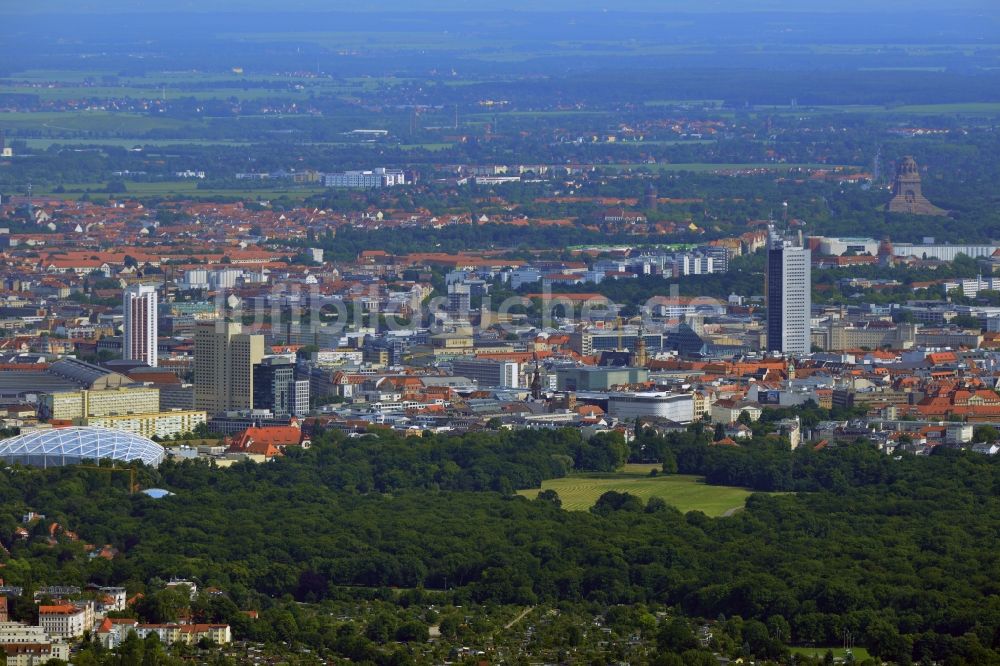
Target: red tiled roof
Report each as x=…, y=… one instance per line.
x=267, y=441
x=62, y=609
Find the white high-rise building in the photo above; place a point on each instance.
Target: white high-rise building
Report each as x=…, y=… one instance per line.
x=789, y=297
x=139, y=304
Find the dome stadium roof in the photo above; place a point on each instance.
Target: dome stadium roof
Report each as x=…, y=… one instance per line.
x=70, y=446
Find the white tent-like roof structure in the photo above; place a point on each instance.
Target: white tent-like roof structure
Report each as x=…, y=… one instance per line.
x=70, y=446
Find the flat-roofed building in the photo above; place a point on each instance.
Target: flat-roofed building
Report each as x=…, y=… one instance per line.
x=140, y=327
x=164, y=425
x=598, y=379
x=72, y=405
x=224, y=360
x=677, y=407
x=488, y=372
x=788, y=297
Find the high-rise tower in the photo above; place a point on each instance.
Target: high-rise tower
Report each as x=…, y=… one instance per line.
x=140, y=327
x=224, y=359
x=789, y=297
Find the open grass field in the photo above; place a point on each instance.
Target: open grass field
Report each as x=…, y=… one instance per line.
x=129, y=124
x=182, y=188
x=433, y=147
x=686, y=493
x=67, y=92
x=561, y=113
x=708, y=167
x=860, y=654
x=697, y=103
x=973, y=108
x=961, y=108
x=44, y=144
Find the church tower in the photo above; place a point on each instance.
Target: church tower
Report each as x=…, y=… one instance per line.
x=536, y=381
x=640, y=357
x=650, y=198
x=886, y=255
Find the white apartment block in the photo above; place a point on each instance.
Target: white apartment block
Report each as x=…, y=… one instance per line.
x=160, y=424
x=66, y=620
x=140, y=327
x=372, y=179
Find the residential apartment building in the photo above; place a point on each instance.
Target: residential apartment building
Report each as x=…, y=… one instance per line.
x=140, y=325
x=34, y=654
x=32, y=641
x=113, y=631
x=72, y=405
x=367, y=180
x=164, y=425
x=728, y=411
x=66, y=620
x=187, y=634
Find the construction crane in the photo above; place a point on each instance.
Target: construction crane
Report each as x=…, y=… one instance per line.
x=133, y=487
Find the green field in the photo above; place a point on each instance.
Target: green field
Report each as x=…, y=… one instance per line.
x=708, y=167
x=44, y=144
x=988, y=108
x=686, y=493
x=958, y=108
x=717, y=103
x=860, y=654
x=434, y=147
x=183, y=188
x=127, y=124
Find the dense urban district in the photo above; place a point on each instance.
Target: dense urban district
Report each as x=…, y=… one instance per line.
x=599, y=347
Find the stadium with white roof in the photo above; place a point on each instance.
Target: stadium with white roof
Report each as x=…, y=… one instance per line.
x=71, y=446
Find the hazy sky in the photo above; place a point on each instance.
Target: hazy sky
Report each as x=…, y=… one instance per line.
x=988, y=7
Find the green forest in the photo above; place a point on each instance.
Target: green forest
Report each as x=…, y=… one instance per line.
x=900, y=552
